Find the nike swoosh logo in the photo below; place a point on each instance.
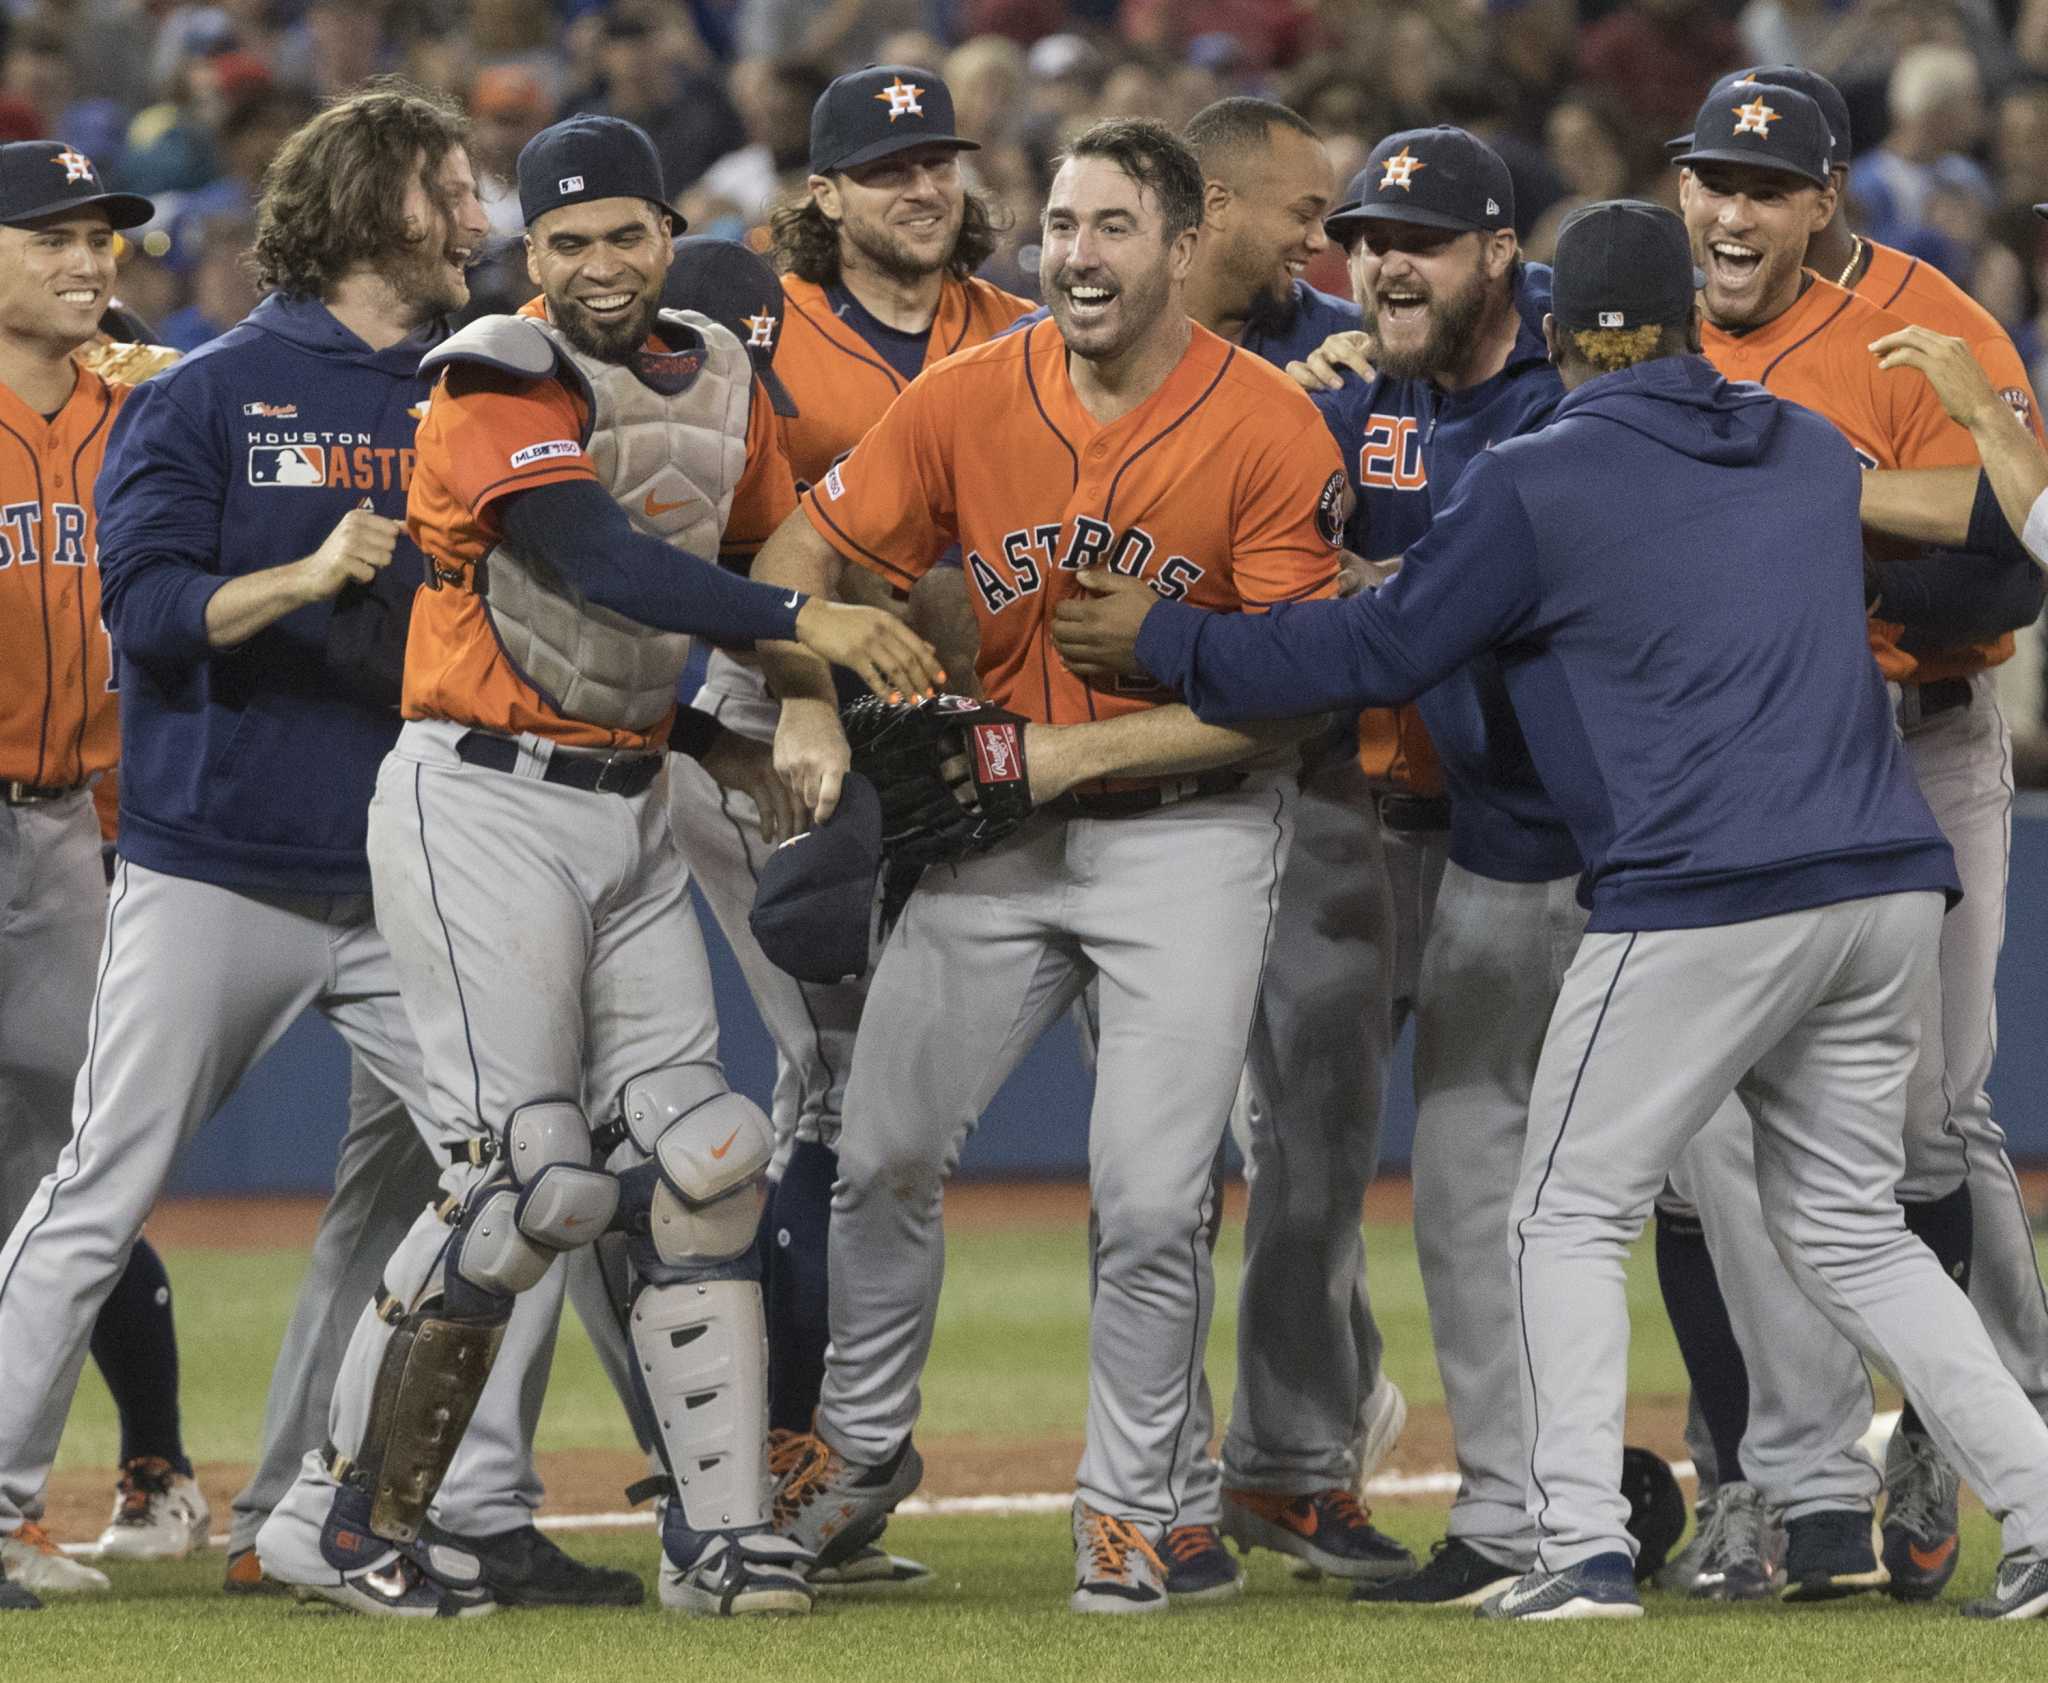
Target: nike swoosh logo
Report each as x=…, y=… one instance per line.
x=721, y=1150
x=655, y=510
x=1934, y=1559
x=793, y=595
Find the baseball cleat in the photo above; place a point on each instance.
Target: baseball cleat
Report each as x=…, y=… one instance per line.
x=397, y=1590
x=362, y=1572
x=159, y=1513
x=1922, y=1542
x=730, y=1574
x=245, y=1576
x=1381, y=1417
x=831, y=1507
x=1737, y=1548
x=1326, y=1528
x=1828, y=1555
x=15, y=1599
x=1603, y=1587
x=1115, y=1569
x=2020, y=1591
x=31, y=1559
x=871, y=1567
x=1455, y=1575
x=1199, y=1567
x=523, y=1568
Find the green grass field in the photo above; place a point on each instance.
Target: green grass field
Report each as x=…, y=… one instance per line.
x=1009, y=1364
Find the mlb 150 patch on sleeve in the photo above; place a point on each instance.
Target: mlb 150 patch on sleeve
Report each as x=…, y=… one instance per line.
x=553, y=448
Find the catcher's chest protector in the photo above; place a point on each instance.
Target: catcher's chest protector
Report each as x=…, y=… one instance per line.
x=670, y=458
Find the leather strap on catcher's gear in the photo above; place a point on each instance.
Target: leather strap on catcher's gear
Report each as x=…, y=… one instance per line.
x=950, y=772
x=427, y=1388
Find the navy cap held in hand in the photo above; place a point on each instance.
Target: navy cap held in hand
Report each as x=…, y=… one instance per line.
x=736, y=288
x=814, y=903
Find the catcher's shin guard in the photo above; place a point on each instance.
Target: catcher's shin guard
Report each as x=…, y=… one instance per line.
x=696, y=1324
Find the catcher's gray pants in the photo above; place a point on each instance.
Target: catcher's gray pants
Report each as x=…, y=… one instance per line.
x=1308, y=1120
x=1497, y=954
x=195, y=982
x=1813, y=1019
x=1170, y=912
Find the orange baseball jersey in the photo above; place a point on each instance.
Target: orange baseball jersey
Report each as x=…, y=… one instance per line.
x=1223, y=488
x=1921, y=294
x=839, y=382
x=1818, y=354
x=486, y=436
x=58, y=716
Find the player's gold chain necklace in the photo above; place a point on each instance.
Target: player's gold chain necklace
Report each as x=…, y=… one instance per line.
x=1855, y=257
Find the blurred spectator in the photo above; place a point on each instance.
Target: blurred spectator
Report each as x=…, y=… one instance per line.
x=1271, y=34
x=774, y=97
x=144, y=283
x=1529, y=49
x=37, y=68
x=250, y=134
x=1935, y=101
x=842, y=32
x=986, y=75
x=686, y=111
x=1472, y=101
x=223, y=289
x=20, y=120
x=1138, y=88
x=508, y=107
x=1065, y=72
x=1785, y=31
x=1595, y=151
x=107, y=43
x=1419, y=53
x=1659, y=57
x=336, y=44
x=517, y=34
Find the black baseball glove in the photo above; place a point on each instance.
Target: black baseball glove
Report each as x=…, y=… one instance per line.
x=950, y=772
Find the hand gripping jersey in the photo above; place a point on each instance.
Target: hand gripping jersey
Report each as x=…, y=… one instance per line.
x=1222, y=488
x=1920, y=293
x=682, y=445
x=842, y=384
x=58, y=723
x=1818, y=353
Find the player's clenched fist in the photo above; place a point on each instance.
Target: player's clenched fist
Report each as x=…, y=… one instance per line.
x=891, y=659
x=1096, y=632
x=355, y=552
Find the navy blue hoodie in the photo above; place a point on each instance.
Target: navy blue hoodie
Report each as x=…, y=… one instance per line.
x=250, y=766
x=1405, y=444
x=1671, y=573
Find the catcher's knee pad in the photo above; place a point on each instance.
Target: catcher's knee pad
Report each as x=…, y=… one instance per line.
x=703, y=1355
x=549, y=1200
x=696, y=1214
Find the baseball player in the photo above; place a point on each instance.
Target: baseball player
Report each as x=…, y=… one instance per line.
x=576, y=463
x=242, y=893
x=1956, y=741
x=879, y=257
x=1460, y=362
x=1794, y=958
x=58, y=734
x=1118, y=435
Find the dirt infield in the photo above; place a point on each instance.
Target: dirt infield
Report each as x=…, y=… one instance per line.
x=594, y=1481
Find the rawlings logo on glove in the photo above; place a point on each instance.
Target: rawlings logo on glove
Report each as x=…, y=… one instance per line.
x=950, y=772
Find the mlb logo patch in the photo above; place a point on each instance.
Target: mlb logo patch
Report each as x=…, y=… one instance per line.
x=569, y=184
x=287, y=464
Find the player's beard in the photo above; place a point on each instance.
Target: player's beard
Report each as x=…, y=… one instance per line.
x=608, y=341
x=421, y=281
x=1453, y=322
x=889, y=254
x=1140, y=302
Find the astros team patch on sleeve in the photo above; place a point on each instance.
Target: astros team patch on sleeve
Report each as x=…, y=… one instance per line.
x=1332, y=509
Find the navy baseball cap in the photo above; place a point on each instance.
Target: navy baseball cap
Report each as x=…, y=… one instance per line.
x=1766, y=127
x=585, y=157
x=736, y=288
x=1439, y=178
x=41, y=178
x=867, y=114
x=1622, y=263
x=814, y=903
x=1811, y=83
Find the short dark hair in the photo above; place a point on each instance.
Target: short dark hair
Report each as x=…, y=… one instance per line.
x=1237, y=124
x=1153, y=156
x=333, y=197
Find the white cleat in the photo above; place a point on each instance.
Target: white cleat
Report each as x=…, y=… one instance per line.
x=34, y=1561
x=159, y=1513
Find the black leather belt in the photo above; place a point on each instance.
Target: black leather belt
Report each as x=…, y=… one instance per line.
x=610, y=774
x=34, y=794
x=1944, y=695
x=1128, y=803
x=1414, y=814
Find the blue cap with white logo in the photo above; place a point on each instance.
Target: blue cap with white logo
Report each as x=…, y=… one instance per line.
x=586, y=157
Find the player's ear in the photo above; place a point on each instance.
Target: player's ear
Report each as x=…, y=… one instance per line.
x=1180, y=256
x=1550, y=342
x=1824, y=203
x=825, y=195
x=532, y=260
x=1216, y=197
x=1693, y=341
